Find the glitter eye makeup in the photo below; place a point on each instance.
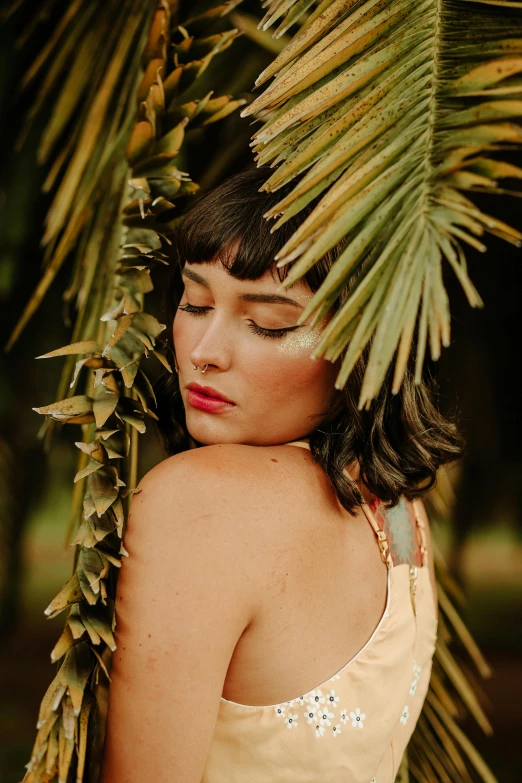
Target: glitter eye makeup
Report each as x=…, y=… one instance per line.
x=255, y=328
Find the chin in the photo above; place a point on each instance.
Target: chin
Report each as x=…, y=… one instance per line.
x=210, y=433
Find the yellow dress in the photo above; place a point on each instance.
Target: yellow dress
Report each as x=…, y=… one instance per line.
x=353, y=727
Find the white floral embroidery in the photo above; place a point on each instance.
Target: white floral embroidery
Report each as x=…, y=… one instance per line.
x=416, y=676
x=336, y=730
x=291, y=721
x=405, y=715
x=316, y=697
x=357, y=718
x=373, y=780
x=310, y=714
x=300, y=701
x=332, y=699
x=344, y=716
x=335, y=677
x=280, y=710
x=319, y=731
x=324, y=716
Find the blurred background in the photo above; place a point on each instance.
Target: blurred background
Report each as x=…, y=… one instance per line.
x=476, y=514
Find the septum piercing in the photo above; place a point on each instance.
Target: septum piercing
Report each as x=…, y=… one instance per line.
x=204, y=369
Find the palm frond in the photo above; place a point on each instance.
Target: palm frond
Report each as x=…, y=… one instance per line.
x=116, y=183
x=439, y=750
x=395, y=111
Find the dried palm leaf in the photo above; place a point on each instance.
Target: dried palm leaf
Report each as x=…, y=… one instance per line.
x=439, y=749
x=395, y=111
x=116, y=183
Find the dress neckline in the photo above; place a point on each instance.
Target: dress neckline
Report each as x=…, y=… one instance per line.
x=386, y=556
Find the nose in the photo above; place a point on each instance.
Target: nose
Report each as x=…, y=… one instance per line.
x=213, y=346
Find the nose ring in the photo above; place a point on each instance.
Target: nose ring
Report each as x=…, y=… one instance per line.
x=203, y=370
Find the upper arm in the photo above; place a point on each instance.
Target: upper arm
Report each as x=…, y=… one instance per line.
x=183, y=600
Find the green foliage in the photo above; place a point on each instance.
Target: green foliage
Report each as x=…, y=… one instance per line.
x=395, y=111
x=117, y=185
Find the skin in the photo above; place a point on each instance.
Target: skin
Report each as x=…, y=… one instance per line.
x=281, y=394
x=227, y=562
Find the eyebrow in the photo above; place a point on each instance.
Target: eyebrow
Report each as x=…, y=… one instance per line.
x=263, y=298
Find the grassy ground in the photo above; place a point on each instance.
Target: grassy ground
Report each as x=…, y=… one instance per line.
x=493, y=571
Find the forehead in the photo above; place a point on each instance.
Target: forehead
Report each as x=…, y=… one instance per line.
x=213, y=274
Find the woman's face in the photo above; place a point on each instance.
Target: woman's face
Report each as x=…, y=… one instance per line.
x=278, y=392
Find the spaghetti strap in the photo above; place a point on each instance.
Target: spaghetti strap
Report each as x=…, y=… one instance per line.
x=421, y=527
x=301, y=443
x=382, y=539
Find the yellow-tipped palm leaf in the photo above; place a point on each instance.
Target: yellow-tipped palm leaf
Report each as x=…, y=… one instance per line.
x=121, y=118
x=395, y=111
x=392, y=110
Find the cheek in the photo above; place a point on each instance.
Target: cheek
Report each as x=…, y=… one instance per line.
x=299, y=345
x=290, y=369
x=179, y=334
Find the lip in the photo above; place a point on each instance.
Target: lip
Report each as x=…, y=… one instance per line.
x=198, y=397
x=208, y=391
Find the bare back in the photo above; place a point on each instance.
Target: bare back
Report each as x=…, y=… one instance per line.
x=324, y=584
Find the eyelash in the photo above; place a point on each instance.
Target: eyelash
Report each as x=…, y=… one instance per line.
x=273, y=333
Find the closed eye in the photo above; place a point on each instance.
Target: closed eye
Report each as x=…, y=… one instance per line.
x=273, y=333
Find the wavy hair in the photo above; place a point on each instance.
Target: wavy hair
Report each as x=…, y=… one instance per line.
x=399, y=441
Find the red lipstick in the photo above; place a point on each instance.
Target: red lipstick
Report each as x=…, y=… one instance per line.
x=205, y=398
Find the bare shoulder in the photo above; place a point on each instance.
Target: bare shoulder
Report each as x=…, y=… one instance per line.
x=185, y=595
x=250, y=504
x=230, y=476
x=224, y=495
x=222, y=474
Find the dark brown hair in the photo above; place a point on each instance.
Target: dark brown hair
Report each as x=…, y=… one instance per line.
x=399, y=442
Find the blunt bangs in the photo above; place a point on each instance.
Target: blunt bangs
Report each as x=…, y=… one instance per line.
x=399, y=442
x=227, y=226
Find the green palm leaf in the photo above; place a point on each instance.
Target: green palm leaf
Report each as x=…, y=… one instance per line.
x=374, y=106
x=134, y=70
x=395, y=111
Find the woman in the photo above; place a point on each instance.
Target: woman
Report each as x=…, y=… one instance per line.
x=276, y=617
